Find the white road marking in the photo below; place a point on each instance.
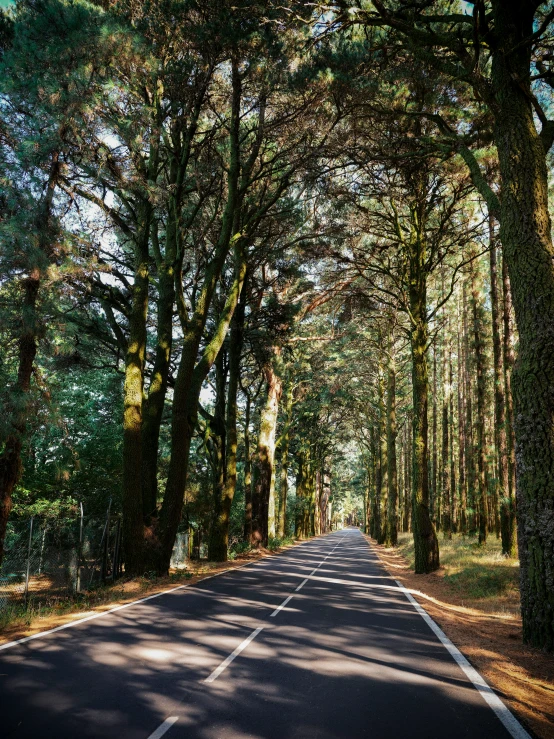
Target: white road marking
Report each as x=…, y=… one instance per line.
x=227, y=661
x=162, y=728
x=120, y=608
x=506, y=717
x=301, y=585
x=283, y=604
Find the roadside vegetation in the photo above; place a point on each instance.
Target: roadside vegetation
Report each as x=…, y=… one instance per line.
x=265, y=271
x=474, y=572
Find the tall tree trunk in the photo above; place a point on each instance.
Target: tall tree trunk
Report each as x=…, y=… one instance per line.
x=300, y=494
x=446, y=518
x=509, y=540
x=461, y=433
x=217, y=546
x=453, y=507
x=392, y=472
x=153, y=406
x=426, y=545
x=375, y=479
x=477, y=310
x=380, y=522
x=132, y=504
x=468, y=391
x=500, y=440
x=219, y=533
x=284, y=484
x=265, y=457
x=247, y=474
x=193, y=371
x=526, y=236
x=434, y=469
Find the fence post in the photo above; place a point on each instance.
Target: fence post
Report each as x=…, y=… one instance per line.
x=28, y=561
x=79, y=553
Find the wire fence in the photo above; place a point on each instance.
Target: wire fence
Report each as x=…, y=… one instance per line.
x=46, y=559
x=50, y=557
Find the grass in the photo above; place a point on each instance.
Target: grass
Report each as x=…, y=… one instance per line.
x=474, y=571
x=275, y=543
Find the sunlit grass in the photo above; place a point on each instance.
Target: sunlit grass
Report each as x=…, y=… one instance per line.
x=474, y=571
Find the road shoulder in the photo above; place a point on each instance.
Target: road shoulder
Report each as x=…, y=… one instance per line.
x=521, y=676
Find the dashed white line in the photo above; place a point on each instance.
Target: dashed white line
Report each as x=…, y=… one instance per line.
x=227, y=661
x=162, y=728
x=301, y=585
x=283, y=604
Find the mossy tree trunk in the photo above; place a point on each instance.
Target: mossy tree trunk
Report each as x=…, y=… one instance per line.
x=247, y=472
x=480, y=371
x=265, y=455
x=507, y=528
x=392, y=471
x=284, y=478
x=425, y=539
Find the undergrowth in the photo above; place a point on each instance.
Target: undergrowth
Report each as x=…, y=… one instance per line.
x=473, y=570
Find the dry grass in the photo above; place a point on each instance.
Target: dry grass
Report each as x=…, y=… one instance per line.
x=475, y=600
x=474, y=572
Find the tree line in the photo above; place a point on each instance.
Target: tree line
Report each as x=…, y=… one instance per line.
x=267, y=268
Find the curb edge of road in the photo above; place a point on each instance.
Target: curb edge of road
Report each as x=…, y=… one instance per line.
x=501, y=710
x=99, y=614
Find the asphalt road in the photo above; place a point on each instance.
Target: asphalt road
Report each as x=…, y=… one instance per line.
x=347, y=656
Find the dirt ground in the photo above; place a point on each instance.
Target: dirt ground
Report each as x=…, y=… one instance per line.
x=523, y=677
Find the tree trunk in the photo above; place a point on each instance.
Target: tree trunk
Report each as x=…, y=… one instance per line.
x=265, y=457
x=284, y=486
x=154, y=404
x=446, y=517
x=461, y=434
x=477, y=310
x=453, y=507
x=434, y=469
x=425, y=539
x=382, y=480
x=468, y=391
x=500, y=440
x=392, y=472
x=247, y=474
x=219, y=532
x=526, y=235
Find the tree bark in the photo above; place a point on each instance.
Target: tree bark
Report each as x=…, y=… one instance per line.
x=426, y=545
x=265, y=456
x=284, y=486
x=480, y=369
x=392, y=471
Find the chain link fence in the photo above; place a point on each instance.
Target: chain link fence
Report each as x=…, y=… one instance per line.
x=48, y=558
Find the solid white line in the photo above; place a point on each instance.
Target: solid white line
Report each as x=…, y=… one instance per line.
x=69, y=625
x=227, y=661
x=301, y=585
x=162, y=728
x=89, y=618
x=506, y=717
x=283, y=604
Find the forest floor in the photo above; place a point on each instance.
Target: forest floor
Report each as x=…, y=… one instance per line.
x=17, y=623
x=474, y=598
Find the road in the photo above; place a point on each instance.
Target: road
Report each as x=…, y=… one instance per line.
x=317, y=642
